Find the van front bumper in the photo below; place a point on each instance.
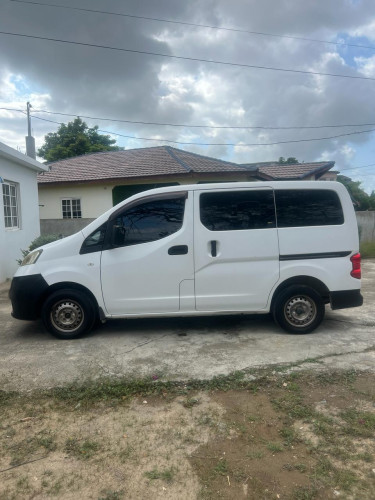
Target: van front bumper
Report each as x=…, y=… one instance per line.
x=26, y=294
x=346, y=298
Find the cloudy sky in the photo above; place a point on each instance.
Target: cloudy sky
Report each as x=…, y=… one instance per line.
x=119, y=85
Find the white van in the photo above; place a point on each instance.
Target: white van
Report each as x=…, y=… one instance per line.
x=287, y=248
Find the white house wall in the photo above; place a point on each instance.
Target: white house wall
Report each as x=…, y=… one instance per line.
x=95, y=199
x=13, y=240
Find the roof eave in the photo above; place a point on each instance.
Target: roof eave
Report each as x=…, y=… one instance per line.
x=160, y=177
x=320, y=170
x=263, y=177
x=17, y=157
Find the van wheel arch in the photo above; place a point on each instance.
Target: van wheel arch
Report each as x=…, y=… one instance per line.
x=67, y=285
x=309, y=281
x=68, y=313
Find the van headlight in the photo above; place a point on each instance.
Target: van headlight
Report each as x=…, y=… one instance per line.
x=31, y=258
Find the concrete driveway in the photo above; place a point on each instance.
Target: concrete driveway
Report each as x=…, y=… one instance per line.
x=183, y=348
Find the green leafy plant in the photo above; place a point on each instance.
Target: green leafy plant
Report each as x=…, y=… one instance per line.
x=38, y=242
x=75, y=139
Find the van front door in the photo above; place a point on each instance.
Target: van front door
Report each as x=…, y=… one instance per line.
x=151, y=258
x=236, y=249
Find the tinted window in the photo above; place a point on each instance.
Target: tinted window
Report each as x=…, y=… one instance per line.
x=150, y=221
x=308, y=207
x=96, y=238
x=94, y=242
x=238, y=210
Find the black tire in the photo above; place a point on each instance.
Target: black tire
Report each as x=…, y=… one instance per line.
x=68, y=313
x=298, y=309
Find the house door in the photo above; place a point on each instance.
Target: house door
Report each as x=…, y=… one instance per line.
x=152, y=258
x=236, y=249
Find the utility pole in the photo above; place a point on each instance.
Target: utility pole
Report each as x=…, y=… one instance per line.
x=30, y=141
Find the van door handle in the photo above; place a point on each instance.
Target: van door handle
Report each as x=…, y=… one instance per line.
x=214, y=248
x=178, y=250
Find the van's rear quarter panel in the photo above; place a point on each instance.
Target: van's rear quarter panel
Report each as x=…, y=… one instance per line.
x=318, y=239
x=334, y=272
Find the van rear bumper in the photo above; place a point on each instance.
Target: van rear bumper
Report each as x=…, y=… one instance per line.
x=26, y=294
x=346, y=298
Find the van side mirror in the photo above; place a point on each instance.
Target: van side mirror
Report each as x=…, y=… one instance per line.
x=118, y=236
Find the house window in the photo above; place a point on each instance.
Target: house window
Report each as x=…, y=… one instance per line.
x=71, y=208
x=11, y=207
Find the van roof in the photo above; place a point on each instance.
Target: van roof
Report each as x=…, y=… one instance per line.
x=240, y=185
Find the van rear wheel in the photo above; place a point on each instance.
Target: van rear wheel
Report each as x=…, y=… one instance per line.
x=299, y=309
x=68, y=313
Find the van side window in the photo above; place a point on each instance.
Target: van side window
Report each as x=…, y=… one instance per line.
x=94, y=242
x=151, y=221
x=237, y=210
x=308, y=207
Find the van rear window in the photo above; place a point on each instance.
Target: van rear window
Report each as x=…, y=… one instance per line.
x=308, y=207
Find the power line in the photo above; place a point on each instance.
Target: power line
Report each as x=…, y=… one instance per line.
x=245, y=127
x=183, y=58
x=218, y=143
x=356, y=168
x=137, y=122
x=202, y=144
x=195, y=25
x=365, y=175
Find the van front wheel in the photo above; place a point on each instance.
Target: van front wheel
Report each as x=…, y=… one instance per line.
x=68, y=313
x=299, y=309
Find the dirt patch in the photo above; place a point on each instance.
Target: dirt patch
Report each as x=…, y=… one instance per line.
x=131, y=451
x=255, y=457
x=297, y=436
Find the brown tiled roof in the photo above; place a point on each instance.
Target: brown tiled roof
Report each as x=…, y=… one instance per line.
x=135, y=163
x=299, y=171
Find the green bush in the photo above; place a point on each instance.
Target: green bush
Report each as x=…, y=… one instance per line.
x=367, y=249
x=38, y=242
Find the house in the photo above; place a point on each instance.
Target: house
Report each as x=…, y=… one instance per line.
x=298, y=171
x=19, y=214
x=77, y=190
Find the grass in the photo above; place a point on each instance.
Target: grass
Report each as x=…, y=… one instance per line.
x=26, y=449
x=289, y=435
x=84, y=450
x=117, y=391
x=126, y=454
x=292, y=404
x=367, y=249
x=275, y=447
x=111, y=495
x=359, y=423
x=254, y=455
x=190, y=402
x=166, y=474
x=267, y=416
x=304, y=493
x=221, y=467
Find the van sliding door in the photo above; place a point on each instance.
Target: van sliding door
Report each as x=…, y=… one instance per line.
x=236, y=249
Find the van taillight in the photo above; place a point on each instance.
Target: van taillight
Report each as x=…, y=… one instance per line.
x=356, y=266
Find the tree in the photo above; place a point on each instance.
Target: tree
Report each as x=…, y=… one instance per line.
x=289, y=161
x=75, y=139
x=361, y=200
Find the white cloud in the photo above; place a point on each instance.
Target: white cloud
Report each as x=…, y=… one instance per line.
x=366, y=66
x=95, y=82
